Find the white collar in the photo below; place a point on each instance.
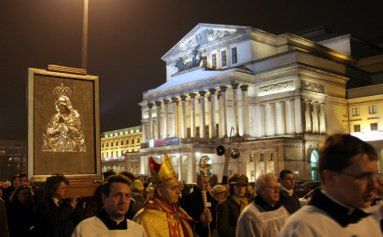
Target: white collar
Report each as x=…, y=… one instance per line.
x=289, y=191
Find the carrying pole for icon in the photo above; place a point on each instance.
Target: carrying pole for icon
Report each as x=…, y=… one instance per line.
x=203, y=166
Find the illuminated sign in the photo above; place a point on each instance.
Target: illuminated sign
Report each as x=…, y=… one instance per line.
x=170, y=141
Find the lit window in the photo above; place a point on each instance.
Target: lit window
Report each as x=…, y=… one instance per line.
x=223, y=58
x=355, y=111
x=374, y=126
x=214, y=60
x=234, y=55
x=372, y=109
x=356, y=127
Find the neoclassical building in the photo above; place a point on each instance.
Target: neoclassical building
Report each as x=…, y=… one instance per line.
x=272, y=97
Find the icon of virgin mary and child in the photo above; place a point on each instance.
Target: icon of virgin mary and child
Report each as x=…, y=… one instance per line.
x=64, y=132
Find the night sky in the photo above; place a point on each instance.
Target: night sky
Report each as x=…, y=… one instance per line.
x=128, y=37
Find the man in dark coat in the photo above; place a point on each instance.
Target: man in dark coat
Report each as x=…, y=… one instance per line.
x=287, y=197
x=228, y=210
x=193, y=204
x=56, y=214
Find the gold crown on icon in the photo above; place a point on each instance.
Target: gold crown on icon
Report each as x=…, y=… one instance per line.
x=62, y=90
x=162, y=174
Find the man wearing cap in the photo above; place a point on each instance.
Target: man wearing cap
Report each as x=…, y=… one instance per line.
x=228, y=210
x=161, y=215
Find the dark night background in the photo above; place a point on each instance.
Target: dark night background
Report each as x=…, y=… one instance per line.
x=128, y=37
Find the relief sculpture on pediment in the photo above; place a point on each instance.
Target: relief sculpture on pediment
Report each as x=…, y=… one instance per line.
x=311, y=86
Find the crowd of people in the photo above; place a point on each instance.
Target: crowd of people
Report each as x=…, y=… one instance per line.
x=161, y=205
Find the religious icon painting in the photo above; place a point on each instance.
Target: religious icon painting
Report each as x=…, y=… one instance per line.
x=63, y=123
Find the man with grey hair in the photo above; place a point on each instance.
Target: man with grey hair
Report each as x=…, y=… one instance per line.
x=265, y=216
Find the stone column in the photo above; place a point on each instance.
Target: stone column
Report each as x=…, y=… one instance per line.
x=213, y=99
x=299, y=119
x=223, y=110
x=183, y=117
x=175, y=117
x=150, y=133
x=258, y=120
x=245, y=110
x=308, y=127
x=192, y=114
x=159, y=123
x=270, y=119
x=234, y=85
x=322, y=118
x=166, y=118
x=191, y=168
x=143, y=129
x=290, y=123
x=315, y=117
x=281, y=121
x=202, y=114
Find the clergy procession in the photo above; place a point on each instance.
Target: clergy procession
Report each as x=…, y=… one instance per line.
x=347, y=202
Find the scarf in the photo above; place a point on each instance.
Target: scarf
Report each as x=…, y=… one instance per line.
x=288, y=191
x=241, y=201
x=337, y=212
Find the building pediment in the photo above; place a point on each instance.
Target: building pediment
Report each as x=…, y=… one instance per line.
x=204, y=35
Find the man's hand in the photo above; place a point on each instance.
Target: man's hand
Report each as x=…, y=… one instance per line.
x=206, y=217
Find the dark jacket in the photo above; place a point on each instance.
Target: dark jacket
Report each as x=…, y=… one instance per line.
x=227, y=215
x=3, y=220
x=20, y=219
x=55, y=221
x=194, y=207
x=291, y=203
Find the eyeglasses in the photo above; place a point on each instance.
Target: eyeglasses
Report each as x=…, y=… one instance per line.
x=361, y=177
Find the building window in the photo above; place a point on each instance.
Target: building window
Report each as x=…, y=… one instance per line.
x=314, y=165
x=261, y=157
x=132, y=141
x=116, y=143
x=223, y=58
x=127, y=141
x=271, y=156
x=234, y=55
x=102, y=145
x=372, y=109
x=214, y=60
x=107, y=144
x=138, y=140
x=251, y=158
x=355, y=111
x=356, y=127
x=111, y=144
x=374, y=126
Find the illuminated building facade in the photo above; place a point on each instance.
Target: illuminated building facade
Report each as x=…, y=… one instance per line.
x=13, y=158
x=120, y=149
x=276, y=96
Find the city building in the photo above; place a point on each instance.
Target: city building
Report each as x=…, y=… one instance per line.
x=13, y=158
x=273, y=98
x=120, y=149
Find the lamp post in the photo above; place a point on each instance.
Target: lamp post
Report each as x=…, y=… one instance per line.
x=84, y=59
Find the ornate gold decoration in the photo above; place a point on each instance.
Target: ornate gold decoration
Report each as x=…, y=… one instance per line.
x=162, y=174
x=64, y=132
